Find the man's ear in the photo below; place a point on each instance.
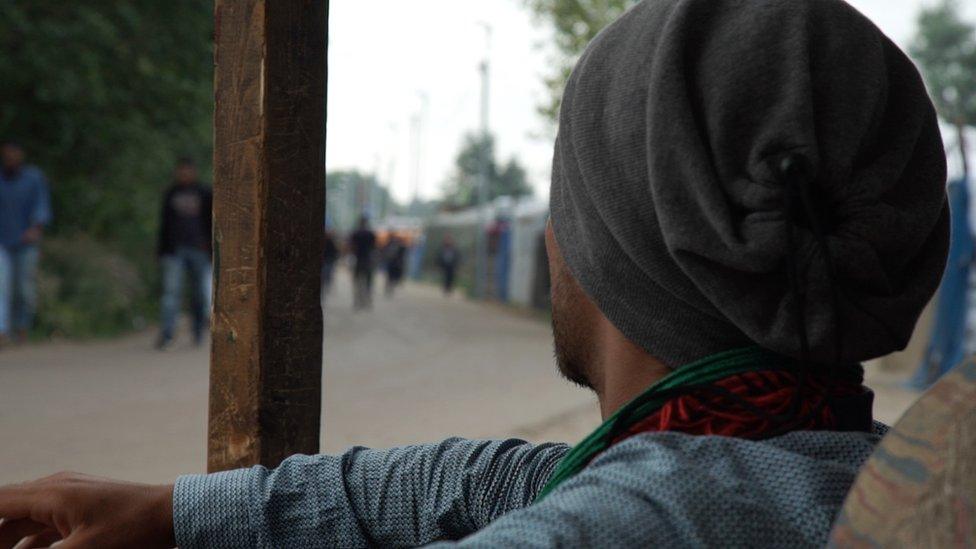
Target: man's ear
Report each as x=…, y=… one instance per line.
x=551, y=247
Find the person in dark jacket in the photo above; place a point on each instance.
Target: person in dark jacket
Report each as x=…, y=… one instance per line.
x=448, y=259
x=395, y=255
x=184, y=248
x=362, y=246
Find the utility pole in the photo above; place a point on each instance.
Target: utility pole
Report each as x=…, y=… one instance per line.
x=391, y=163
x=417, y=148
x=481, y=261
x=385, y=207
x=372, y=185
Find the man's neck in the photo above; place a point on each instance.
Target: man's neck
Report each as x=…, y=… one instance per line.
x=626, y=370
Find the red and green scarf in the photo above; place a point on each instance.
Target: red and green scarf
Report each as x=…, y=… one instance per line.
x=747, y=393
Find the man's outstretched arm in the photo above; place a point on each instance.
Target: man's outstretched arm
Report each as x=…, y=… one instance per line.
x=403, y=496
x=84, y=512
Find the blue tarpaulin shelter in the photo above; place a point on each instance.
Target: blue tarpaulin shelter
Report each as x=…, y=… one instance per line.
x=946, y=346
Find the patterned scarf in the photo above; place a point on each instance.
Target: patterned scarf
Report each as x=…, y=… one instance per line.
x=748, y=393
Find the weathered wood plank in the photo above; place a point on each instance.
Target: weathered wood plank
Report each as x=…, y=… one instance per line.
x=269, y=141
x=918, y=489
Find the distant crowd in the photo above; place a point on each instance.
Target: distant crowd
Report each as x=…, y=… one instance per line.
x=369, y=250
x=183, y=249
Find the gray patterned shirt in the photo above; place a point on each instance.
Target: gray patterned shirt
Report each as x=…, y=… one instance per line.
x=665, y=489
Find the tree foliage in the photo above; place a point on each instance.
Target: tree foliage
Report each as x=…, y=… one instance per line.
x=575, y=23
x=503, y=180
x=105, y=96
x=945, y=47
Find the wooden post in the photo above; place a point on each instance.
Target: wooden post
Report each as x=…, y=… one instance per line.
x=269, y=200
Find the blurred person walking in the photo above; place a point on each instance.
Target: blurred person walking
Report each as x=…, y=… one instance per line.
x=330, y=255
x=25, y=209
x=395, y=255
x=184, y=247
x=362, y=245
x=448, y=259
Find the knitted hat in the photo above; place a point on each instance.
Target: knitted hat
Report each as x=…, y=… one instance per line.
x=672, y=211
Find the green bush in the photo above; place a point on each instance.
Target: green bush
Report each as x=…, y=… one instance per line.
x=105, y=96
x=88, y=290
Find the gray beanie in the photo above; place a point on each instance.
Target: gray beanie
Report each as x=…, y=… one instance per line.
x=669, y=209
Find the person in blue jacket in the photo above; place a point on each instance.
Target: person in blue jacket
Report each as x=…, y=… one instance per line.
x=25, y=210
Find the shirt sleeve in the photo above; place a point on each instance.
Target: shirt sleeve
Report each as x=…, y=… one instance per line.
x=676, y=490
x=406, y=496
x=605, y=505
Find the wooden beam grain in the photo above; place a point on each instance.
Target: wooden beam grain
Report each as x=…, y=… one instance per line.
x=269, y=200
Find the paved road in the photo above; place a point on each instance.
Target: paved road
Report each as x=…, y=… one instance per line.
x=419, y=367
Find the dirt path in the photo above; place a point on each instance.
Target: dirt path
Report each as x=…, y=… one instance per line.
x=419, y=367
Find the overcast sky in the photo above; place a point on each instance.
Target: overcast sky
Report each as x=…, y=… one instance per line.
x=386, y=54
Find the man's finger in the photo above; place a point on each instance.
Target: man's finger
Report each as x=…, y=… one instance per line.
x=12, y=531
x=44, y=539
x=15, y=502
x=76, y=541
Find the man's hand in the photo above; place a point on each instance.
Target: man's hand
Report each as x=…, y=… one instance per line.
x=32, y=235
x=85, y=512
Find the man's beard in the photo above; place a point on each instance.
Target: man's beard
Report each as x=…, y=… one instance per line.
x=568, y=367
x=571, y=341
